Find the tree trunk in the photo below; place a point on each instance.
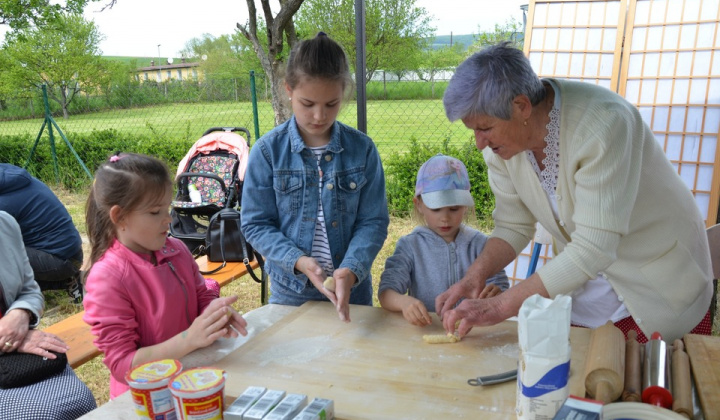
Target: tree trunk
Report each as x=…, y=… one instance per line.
x=280, y=104
x=279, y=27
x=64, y=102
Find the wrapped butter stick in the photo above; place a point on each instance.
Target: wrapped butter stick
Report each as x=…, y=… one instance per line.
x=544, y=367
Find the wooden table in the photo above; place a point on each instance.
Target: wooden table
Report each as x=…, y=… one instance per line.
x=375, y=367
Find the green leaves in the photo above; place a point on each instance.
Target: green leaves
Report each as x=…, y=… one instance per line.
x=63, y=54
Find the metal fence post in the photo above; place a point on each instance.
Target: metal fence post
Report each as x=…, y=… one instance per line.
x=50, y=122
x=253, y=94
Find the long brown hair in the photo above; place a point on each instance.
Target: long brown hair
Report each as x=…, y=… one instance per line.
x=127, y=180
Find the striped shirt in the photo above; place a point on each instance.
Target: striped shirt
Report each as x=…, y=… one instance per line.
x=321, y=246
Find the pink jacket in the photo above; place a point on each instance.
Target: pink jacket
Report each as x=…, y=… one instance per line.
x=130, y=303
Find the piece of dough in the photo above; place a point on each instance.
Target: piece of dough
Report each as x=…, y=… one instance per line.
x=441, y=339
x=329, y=284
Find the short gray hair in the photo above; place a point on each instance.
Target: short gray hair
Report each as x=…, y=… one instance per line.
x=488, y=81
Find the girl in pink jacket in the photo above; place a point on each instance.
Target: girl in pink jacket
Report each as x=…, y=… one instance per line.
x=145, y=298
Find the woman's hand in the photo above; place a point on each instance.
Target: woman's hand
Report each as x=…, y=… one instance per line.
x=468, y=288
x=14, y=325
x=472, y=312
x=489, y=291
x=490, y=311
x=344, y=281
x=42, y=343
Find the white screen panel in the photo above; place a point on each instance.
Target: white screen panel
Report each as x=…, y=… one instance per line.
x=704, y=178
x=667, y=64
x=703, y=202
x=709, y=149
x=691, y=9
x=657, y=11
x=673, y=147
x=664, y=91
x=680, y=91
x=694, y=121
x=687, y=173
x=698, y=91
x=677, y=119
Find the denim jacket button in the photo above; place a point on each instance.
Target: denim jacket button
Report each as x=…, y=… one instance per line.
x=328, y=158
x=353, y=185
x=329, y=186
x=334, y=224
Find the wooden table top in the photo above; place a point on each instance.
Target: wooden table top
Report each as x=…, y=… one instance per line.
x=378, y=366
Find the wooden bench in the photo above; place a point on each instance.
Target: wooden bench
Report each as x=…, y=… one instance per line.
x=76, y=333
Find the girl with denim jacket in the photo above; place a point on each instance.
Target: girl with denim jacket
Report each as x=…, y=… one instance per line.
x=314, y=203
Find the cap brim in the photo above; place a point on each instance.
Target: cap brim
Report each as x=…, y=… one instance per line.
x=447, y=198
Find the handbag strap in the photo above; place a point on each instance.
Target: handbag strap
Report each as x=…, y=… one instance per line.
x=246, y=260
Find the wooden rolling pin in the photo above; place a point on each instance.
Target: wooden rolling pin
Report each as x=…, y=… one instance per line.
x=605, y=364
x=633, y=369
x=681, y=382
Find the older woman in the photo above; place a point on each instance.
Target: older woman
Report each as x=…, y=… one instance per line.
x=58, y=397
x=630, y=243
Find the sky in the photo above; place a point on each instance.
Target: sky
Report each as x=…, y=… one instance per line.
x=161, y=28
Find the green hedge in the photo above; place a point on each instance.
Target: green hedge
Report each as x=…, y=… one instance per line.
x=95, y=147
x=92, y=148
x=401, y=171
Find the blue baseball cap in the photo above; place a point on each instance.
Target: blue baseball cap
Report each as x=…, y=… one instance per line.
x=443, y=181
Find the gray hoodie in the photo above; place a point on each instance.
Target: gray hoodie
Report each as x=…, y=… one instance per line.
x=424, y=265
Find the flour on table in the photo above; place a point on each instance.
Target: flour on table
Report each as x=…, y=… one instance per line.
x=298, y=351
x=511, y=350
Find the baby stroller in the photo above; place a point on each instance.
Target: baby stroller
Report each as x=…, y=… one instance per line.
x=209, y=178
x=210, y=181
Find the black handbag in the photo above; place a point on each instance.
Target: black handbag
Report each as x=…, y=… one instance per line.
x=225, y=242
x=21, y=369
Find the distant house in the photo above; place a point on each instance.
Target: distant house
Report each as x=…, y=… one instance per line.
x=169, y=71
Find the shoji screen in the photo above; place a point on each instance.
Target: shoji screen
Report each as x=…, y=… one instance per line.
x=662, y=55
x=671, y=72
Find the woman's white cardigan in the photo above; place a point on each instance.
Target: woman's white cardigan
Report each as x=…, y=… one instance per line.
x=624, y=213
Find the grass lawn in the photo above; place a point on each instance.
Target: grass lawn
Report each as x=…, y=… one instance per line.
x=391, y=124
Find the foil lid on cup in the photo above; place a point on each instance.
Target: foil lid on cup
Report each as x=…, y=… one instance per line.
x=153, y=374
x=198, y=379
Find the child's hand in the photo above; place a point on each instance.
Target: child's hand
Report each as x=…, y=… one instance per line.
x=489, y=291
x=213, y=323
x=415, y=312
x=344, y=281
x=236, y=323
x=316, y=275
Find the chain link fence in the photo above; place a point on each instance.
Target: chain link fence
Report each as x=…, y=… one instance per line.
x=399, y=109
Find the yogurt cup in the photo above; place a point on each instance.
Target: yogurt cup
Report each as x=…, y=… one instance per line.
x=198, y=394
x=149, y=389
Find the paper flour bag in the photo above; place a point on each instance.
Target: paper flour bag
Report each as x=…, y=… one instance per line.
x=544, y=365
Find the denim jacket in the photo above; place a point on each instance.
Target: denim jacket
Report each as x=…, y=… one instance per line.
x=280, y=201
